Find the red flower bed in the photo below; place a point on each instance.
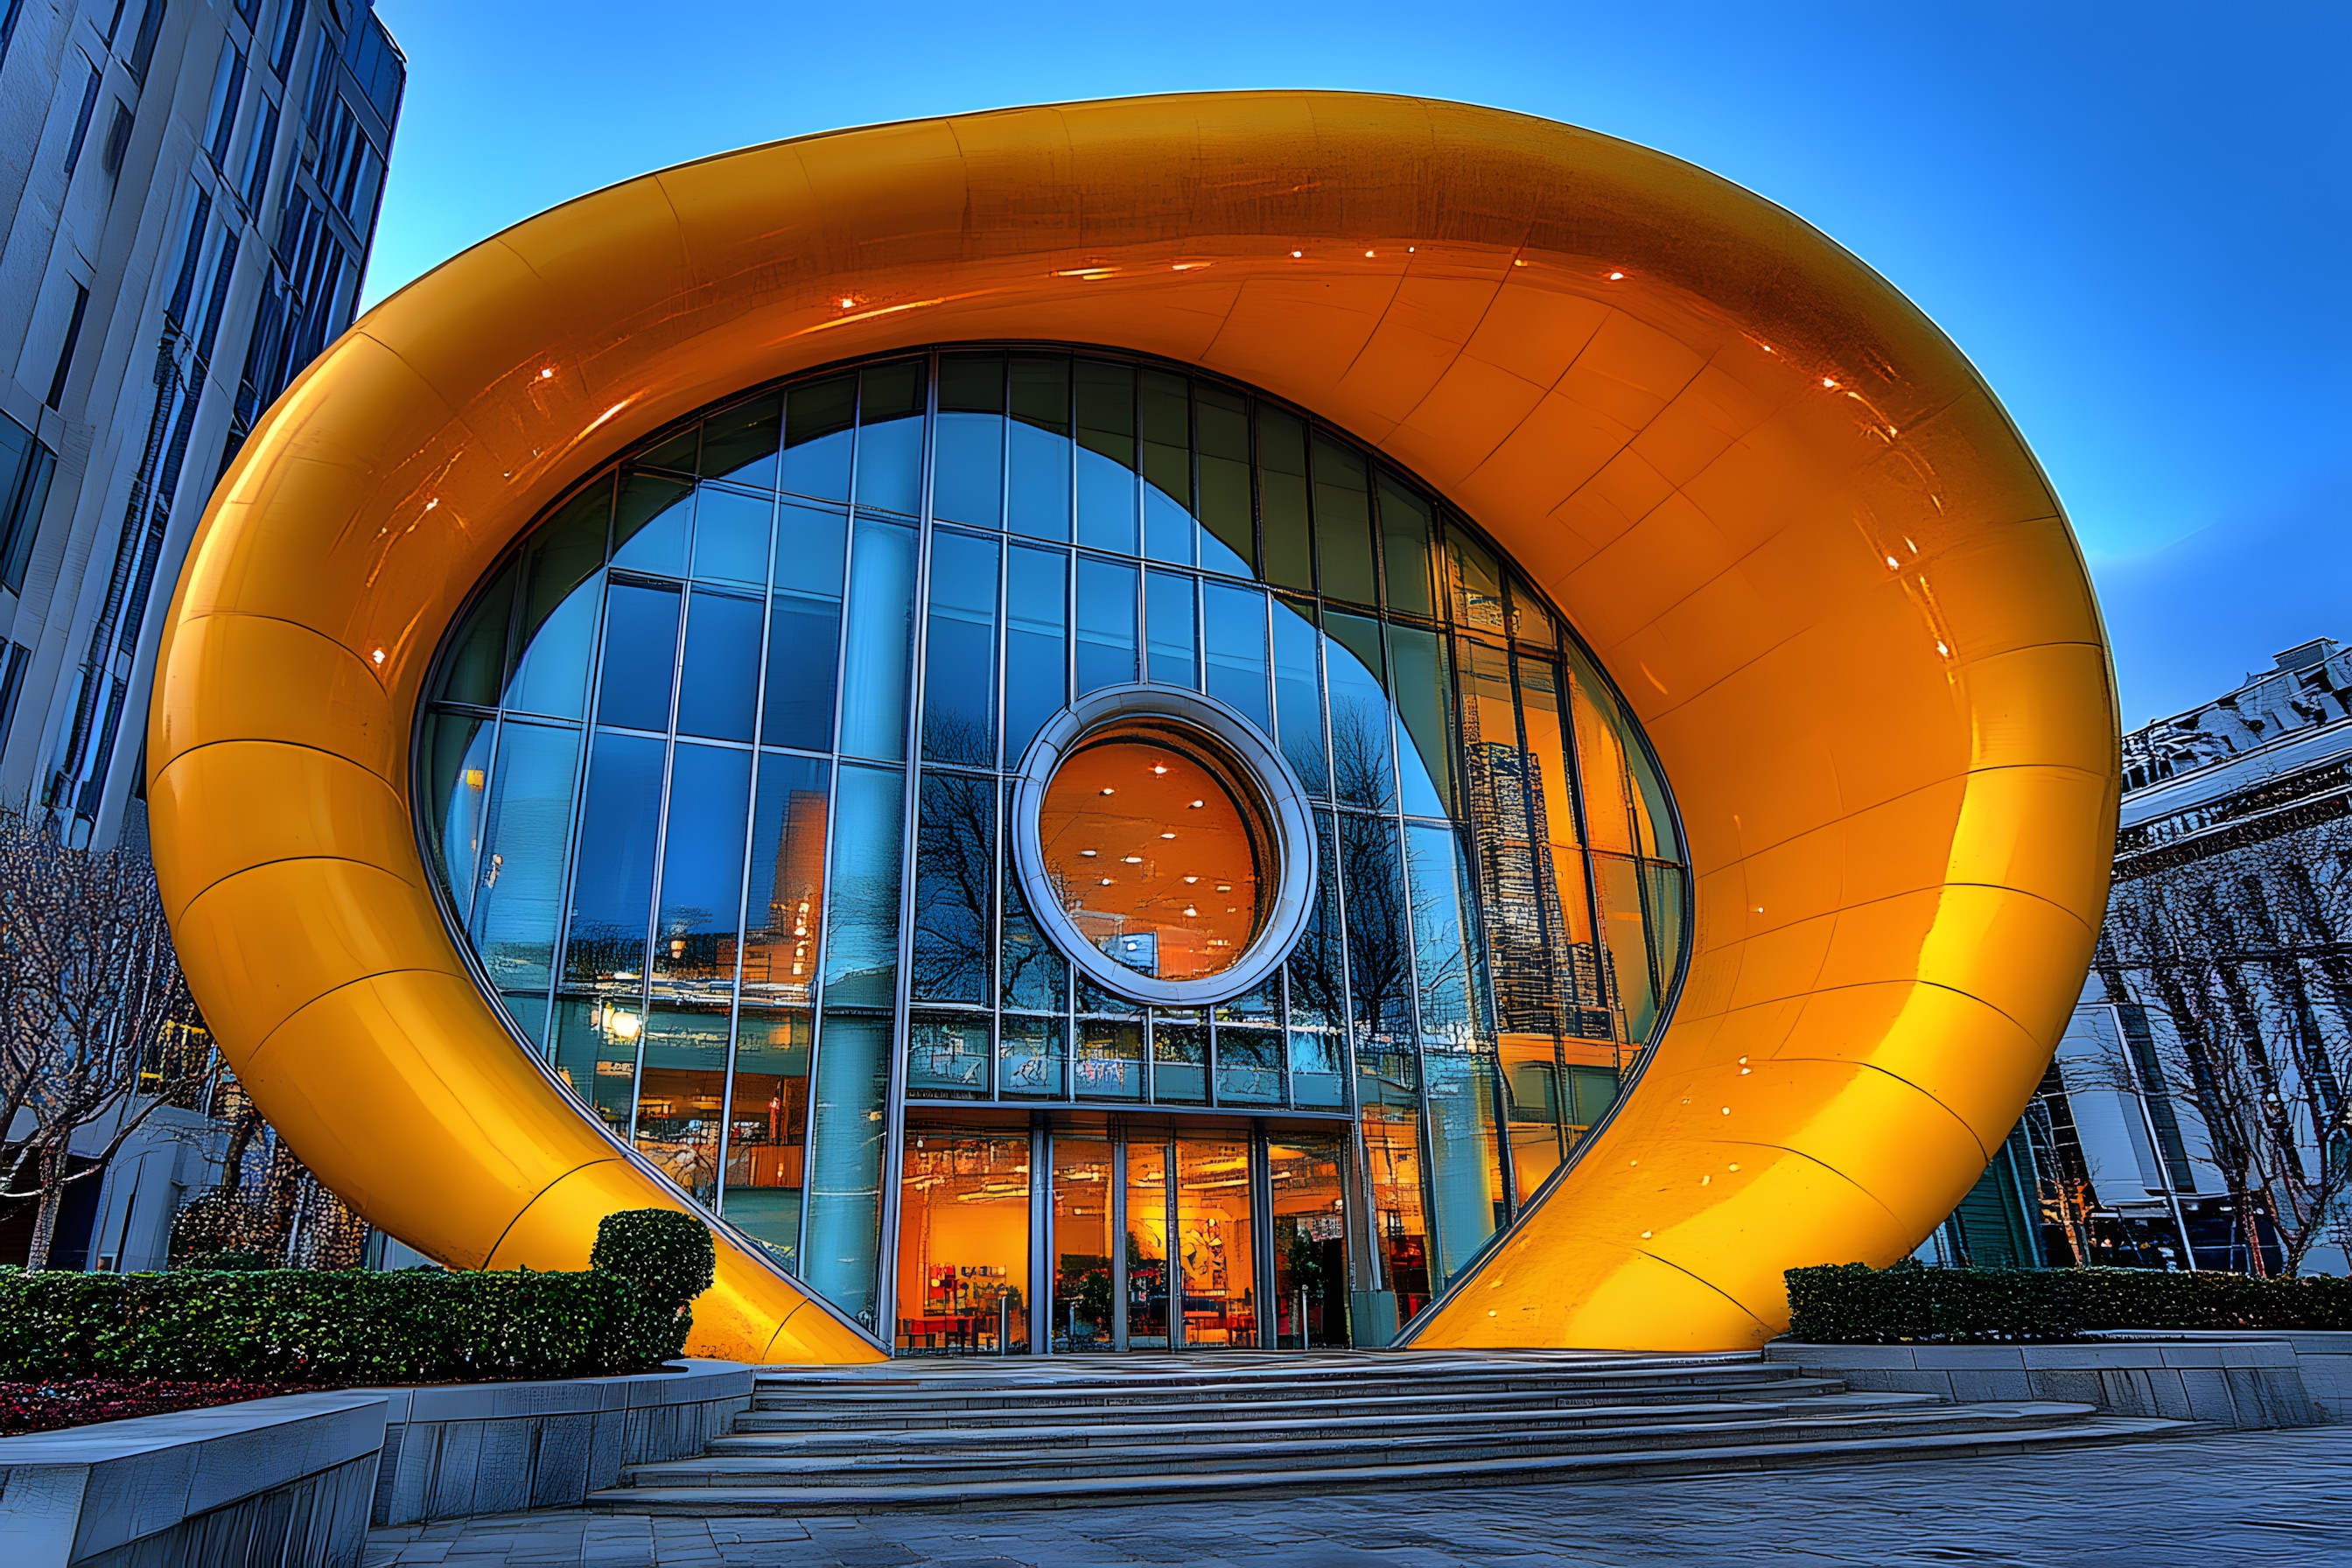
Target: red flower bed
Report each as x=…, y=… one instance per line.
x=46, y=1405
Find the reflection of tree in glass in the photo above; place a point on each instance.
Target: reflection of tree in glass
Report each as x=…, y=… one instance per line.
x=1359, y=752
x=955, y=851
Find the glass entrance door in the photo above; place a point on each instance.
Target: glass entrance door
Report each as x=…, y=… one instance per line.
x=1086, y=1180
x=963, y=1244
x=1310, y=1243
x=1216, y=1251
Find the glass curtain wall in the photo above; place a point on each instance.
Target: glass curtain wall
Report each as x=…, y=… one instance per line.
x=716, y=769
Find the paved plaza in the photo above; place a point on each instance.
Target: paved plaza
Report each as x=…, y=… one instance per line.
x=2262, y=1498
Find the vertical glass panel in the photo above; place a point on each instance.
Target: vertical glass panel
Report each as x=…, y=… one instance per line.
x=529, y=1015
x=520, y=901
x=1249, y=1066
x=1379, y=964
x=1617, y=889
x=1531, y=1102
x=890, y=436
x=651, y=525
x=1180, y=1058
x=1465, y=1161
x=1424, y=705
x=1036, y=643
x=1107, y=594
x=1110, y=1059
x=1216, y=1245
x=719, y=695
x=1343, y=524
x=697, y=931
x=767, y=1141
x=1168, y=622
x=1666, y=890
x=730, y=536
x=1400, y=1225
x=1166, y=408
x=1404, y=547
x=558, y=628
x=1318, y=983
x=1031, y=1058
x=1592, y=1087
x=1146, y=1245
x=1282, y=499
x=786, y=905
x=955, y=856
x=817, y=420
x=947, y=1056
x=1107, y=477
x=612, y=894
x=1363, y=766
x=1530, y=621
x=1038, y=458
x=1084, y=1172
x=595, y=1055
x=1514, y=886
x=968, y=468
x=457, y=815
x=681, y=1090
x=677, y=453
x=1601, y=764
x=1234, y=620
x=1310, y=1244
x=1298, y=694
x=478, y=654
x=861, y=953
x=1035, y=976
x=963, y=1244
x=1476, y=582
x=1550, y=786
x=738, y=444
x=848, y=1106
x=1228, y=536
x=880, y=641
x=1578, y=961
x=640, y=656
x=804, y=629
x=960, y=651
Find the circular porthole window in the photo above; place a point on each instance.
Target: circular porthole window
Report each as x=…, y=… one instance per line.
x=1163, y=845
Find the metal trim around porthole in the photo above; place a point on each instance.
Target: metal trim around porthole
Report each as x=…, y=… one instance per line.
x=1282, y=799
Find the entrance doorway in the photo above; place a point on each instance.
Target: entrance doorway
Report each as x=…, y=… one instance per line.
x=1134, y=1235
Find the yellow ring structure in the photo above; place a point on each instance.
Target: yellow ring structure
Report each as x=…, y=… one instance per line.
x=1790, y=518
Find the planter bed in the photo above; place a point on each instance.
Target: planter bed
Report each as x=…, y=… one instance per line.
x=53, y=1403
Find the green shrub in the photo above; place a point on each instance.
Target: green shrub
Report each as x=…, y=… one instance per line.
x=357, y=1327
x=1852, y=1303
x=669, y=1254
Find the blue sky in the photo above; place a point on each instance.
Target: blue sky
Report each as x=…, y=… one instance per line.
x=2134, y=219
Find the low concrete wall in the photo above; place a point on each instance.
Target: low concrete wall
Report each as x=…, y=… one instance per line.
x=497, y=1448
x=2230, y=1381
x=2323, y=1357
x=284, y=1482
x=295, y=1482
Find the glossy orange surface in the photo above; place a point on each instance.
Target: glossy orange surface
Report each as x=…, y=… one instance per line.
x=1790, y=518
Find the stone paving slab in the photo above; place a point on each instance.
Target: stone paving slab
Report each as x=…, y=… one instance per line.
x=2248, y=1499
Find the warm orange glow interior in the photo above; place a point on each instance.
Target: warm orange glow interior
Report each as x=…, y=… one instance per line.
x=1154, y=855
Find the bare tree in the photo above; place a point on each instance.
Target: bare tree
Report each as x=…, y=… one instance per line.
x=93, y=1014
x=2248, y=952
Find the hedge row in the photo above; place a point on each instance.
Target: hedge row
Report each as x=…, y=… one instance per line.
x=1852, y=1303
x=627, y=1314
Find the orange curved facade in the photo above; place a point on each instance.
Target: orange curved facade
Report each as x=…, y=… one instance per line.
x=1790, y=517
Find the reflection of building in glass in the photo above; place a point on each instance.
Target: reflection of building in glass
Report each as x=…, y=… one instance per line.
x=719, y=772
x=2197, y=1112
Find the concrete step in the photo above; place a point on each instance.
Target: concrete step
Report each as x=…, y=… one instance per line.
x=817, y=1496
x=776, y=1434
x=1380, y=1451
x=1327, y=1400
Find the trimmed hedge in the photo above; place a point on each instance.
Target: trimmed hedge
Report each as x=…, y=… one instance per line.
x=302, y=1326
x=1852, y=1303
x=669, y=1254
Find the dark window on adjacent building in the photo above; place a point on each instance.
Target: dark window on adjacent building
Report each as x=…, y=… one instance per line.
x=25, y=468
x=142, y=46
x=9, y=11
x=66, y=353
x=81, y=121
x=13, y=657
x=118, y=139
x=228, y=88
x=290, y=34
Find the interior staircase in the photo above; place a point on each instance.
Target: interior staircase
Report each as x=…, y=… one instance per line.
x=1094, y=1430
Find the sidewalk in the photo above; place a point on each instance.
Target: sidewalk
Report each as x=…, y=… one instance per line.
x=2231, y=1501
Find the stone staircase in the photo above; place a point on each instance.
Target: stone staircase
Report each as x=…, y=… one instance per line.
x=1093, y=1430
